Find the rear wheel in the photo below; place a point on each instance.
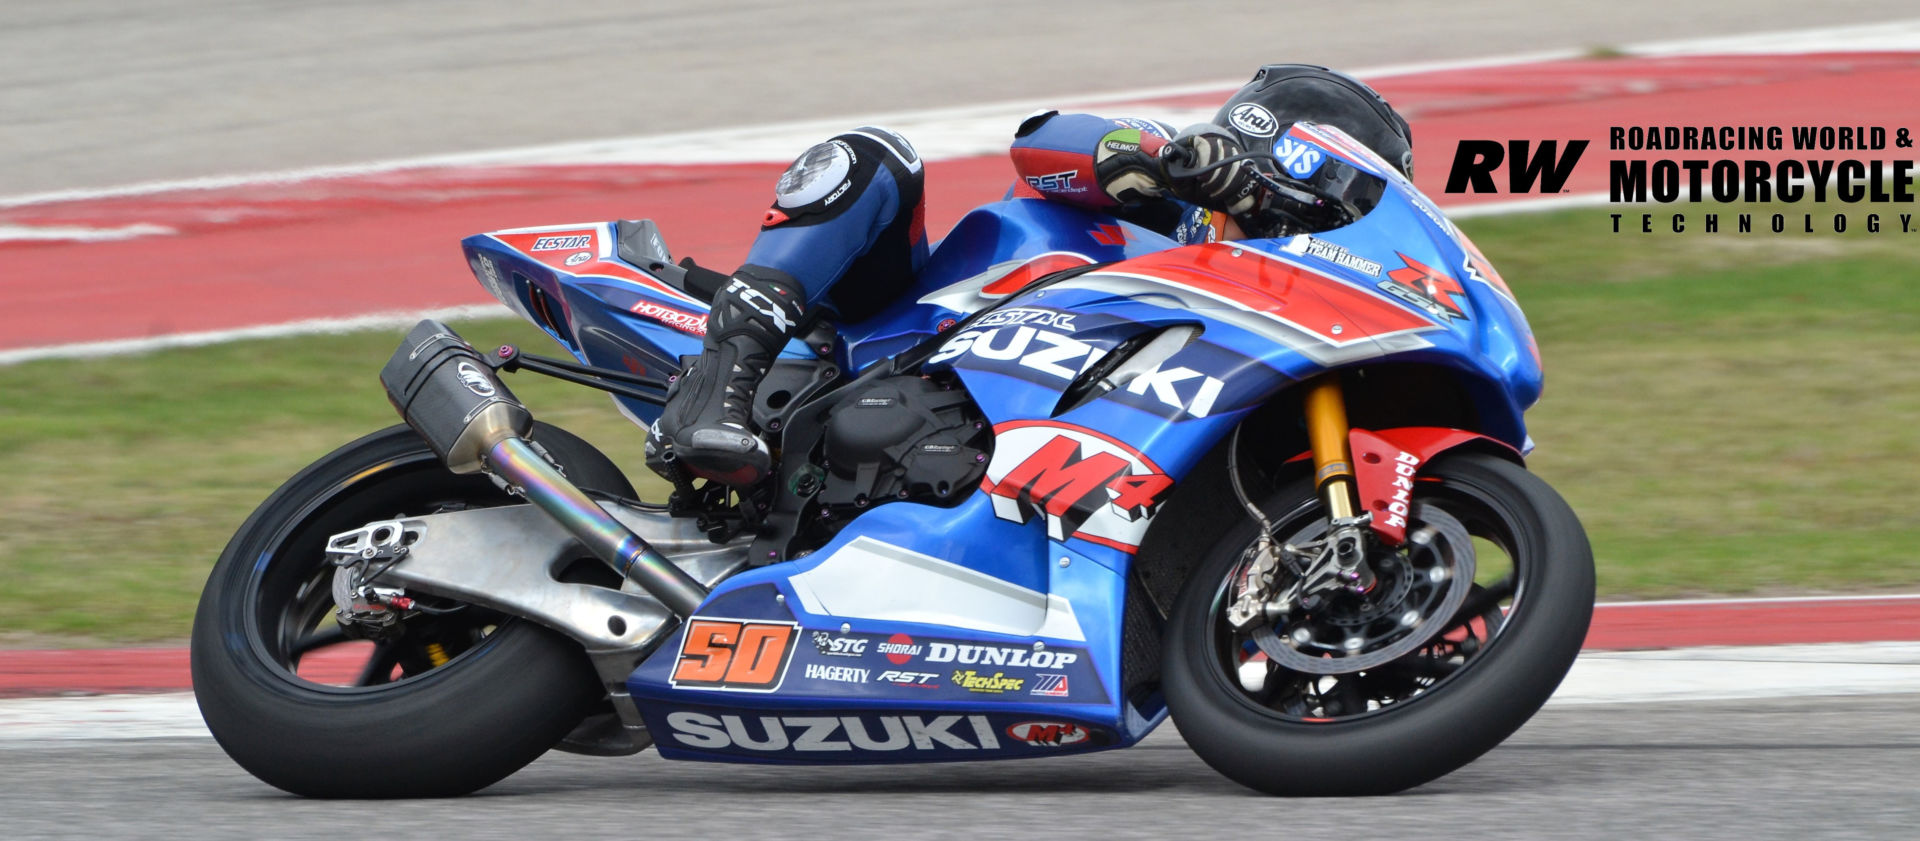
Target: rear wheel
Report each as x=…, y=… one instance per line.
x=461, y=698
x=1451, y=652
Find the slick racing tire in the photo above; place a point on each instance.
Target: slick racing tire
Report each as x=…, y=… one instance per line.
x=1476, y=677
x=463, y=698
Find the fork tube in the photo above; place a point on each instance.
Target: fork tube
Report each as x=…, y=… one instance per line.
x=1332, y=457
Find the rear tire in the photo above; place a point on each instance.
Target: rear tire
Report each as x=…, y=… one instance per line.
x=1380, y=748
x=497, y=693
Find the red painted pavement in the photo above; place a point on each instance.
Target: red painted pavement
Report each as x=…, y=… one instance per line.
x=274, y=253
x=1615, y=626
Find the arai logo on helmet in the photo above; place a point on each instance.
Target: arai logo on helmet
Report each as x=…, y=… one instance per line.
x=1253, y=119
x=475, y=381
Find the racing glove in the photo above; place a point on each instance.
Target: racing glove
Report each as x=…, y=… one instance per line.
x=1192, y=169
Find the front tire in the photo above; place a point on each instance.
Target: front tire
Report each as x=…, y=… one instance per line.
x=462, y=699
x=1402, y=724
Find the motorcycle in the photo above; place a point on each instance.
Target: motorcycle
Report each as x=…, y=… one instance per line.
x=1078, y=480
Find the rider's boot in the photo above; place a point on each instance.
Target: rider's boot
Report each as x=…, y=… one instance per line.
x=707, y=427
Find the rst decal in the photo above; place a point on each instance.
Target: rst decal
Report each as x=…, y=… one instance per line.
x=1048, y=733
x=917, y=680
x=562, y=243
x=1062, y=357
x=1055, y=182
x=1084, y=484
x=812, y=734
x=735, y=655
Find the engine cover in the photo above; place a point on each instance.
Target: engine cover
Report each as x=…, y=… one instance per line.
x=903, y=438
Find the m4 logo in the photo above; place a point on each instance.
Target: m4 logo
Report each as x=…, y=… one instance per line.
x=735, y=655
x=1084, y=484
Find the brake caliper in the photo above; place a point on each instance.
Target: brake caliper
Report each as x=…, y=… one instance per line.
x=359, y=557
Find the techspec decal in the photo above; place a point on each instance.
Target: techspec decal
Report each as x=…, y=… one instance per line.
x=995, y=684
x=1084, y=484
x=1429, y=290
x=735, y=655
x=562, y=243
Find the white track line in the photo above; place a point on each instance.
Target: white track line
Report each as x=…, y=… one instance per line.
x=1602, y=677
x=376, y=321
x=942, y=133
x=778, y=142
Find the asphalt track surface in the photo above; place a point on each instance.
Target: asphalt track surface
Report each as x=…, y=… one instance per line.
x=102, y=92
x=1826, y=768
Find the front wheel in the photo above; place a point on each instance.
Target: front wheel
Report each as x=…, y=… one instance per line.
x=459, y=699
x=1489, y=611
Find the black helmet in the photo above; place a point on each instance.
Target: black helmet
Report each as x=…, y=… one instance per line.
x=1283, y=94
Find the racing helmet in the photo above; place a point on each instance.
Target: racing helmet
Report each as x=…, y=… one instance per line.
x=1283, y=94
x=1333, y=192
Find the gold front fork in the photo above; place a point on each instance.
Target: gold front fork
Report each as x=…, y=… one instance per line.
x=1333, y=476
x=1332, y=457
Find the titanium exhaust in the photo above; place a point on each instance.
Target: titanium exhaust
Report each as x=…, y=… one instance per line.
x=448, y=393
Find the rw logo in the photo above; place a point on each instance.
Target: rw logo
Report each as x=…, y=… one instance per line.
x=1475, y=160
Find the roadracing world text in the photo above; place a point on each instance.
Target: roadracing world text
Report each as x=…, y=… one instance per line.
x=1845, y=164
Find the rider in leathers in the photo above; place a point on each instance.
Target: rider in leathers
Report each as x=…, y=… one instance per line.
x=847, y=229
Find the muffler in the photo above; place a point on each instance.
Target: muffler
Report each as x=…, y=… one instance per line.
x=448, y=393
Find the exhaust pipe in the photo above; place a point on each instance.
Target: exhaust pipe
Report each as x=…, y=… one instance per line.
x=448, y=393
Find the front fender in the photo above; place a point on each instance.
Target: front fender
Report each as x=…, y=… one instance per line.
x=1386, y=463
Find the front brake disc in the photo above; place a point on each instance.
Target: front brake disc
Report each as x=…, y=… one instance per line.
x=1439, y=551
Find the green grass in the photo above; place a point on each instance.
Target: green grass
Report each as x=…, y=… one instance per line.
x=1727, y=413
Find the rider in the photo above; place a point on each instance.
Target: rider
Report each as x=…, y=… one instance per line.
x=847, y=228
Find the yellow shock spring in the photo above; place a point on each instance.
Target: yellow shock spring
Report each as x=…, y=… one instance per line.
x=437, y=654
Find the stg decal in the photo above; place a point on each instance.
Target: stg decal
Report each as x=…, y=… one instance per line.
x=735, y=655
x=1430, y=291
x=1084, y=484
x=833, y=646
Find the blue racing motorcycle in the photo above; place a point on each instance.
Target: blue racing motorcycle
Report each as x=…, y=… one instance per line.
x=1077, y=480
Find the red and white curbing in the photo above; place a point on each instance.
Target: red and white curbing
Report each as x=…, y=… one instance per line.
x=1881, y=658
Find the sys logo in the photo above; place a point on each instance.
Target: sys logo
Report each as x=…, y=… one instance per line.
x=1298, y=158
x=1474, y=162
